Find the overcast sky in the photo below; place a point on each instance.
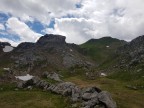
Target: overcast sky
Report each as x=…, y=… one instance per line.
x=78, y=20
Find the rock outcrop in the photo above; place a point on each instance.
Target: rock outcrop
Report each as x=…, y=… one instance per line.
x=52, y=75
x=89, y=97
x=132, y=53
x=51, y=39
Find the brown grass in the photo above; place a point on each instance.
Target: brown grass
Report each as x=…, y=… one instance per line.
x=124, y=97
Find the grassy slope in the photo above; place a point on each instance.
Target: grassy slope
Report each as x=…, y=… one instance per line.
x=124, y=97
x=116, y=82
x=30, y=99
x=97, y=50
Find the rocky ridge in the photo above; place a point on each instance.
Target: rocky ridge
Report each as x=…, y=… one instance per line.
x=49, y=51
x=132, y=53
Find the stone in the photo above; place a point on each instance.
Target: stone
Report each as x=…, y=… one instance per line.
x=29, y=87
x=91, y=90
x=106, y=99
x=52, y=75
x=86, y=96
x=21, y=84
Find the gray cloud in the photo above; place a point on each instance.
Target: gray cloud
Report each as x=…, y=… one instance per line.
x=123, y=19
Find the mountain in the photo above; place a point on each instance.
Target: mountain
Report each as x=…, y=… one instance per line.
x=102, y=49
x=49, y=53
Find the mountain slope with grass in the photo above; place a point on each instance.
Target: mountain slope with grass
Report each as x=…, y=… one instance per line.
x=129, y=62
x=101, y=49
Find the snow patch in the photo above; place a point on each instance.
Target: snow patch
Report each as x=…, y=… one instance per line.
x=6, y=69
x=24, y=78
x=7, y=49
x=103, y=74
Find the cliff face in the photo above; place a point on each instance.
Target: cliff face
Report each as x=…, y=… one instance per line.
x=50, y=39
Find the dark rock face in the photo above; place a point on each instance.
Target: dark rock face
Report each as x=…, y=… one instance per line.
x=50, y=38
x=24, y=46
x=2, y=44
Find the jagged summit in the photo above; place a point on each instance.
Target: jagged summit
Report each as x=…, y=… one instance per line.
x=51, y=38
x=46, y=41
x=2, y=44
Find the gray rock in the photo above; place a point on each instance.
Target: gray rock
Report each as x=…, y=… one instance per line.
x=106, y=99
x=86, y=96
x=76, y=94
x=52, y=75
x=21, y=84
x=91, y=103
x=29, y=87
x=89, y=96
x=90, y=90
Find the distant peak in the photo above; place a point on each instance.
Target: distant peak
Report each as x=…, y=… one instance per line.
x=107, y=38
x=4, y=44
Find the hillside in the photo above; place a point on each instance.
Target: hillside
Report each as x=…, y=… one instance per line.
x=49, y=53
x=129, y=62
x=101, y=49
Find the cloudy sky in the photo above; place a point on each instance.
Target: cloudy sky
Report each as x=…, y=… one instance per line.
x=78, y=20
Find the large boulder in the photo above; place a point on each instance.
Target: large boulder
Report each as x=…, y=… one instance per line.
x=106, y=99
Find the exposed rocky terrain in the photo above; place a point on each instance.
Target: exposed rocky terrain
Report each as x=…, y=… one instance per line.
x=132, y=53
x=89, y=97
x=50, y=52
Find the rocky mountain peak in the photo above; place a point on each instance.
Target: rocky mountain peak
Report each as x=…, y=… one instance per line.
x=2, y=44
x=50, y=38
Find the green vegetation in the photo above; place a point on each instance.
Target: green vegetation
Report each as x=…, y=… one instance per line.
x=10, y=98
x=1, y=71
x=101, y=49
x=125, y=97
